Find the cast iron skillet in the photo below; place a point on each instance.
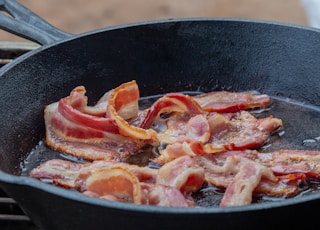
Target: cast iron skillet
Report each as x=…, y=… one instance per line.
x=163, y=56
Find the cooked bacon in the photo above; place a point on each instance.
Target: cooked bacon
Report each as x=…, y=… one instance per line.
x=59, y=172
x=225, y=102
x=245, y=132
x=153, y=194
x=242, y=132
x=95, y=133
x=240, y=190
x=84, y=142
x=182, y=127
x=162, y=195
x=117, y=109
x=73, y=175
x=79, y=101
x=117, y=182
x=171, y=102
x=291, y=161
x=243, y=177
x=182, y=173
x=193, y=148
x=70, y=109
x=221, y=169
x=204, y=138
x=283, y=161
x=84, y=135
x=226, y=132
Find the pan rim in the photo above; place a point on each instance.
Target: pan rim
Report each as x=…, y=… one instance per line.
x=25, y=56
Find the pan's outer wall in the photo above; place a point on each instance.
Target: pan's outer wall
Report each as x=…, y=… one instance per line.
x=52, y=212
x=168, y=56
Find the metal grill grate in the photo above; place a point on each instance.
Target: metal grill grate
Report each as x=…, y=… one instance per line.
x=11, y=215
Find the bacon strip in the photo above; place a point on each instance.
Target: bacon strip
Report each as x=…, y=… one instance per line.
x=128, y=93
x=116, y=181
x=183, y=128
x=225, y=102
x=73, y=175
x=182, y=173
x=75, y=128
x=162, y=195
x=85, y=142
x=283, y=161
x=245, y=132
x=242, y=177
x=171, y=102
x=189, y=128
x=216, y=133
x=69, y=109
x=239, y=191
x=228, y=169
x=79, y=101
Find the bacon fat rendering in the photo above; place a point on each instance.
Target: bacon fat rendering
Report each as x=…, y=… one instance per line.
x=207, y=139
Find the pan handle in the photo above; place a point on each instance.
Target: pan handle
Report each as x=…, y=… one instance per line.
x=24, y=23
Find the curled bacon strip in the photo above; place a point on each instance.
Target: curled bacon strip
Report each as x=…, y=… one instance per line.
x=128, y=91
x=69, y=129
x=70, y=108
x=171, y=102
x=117, y=182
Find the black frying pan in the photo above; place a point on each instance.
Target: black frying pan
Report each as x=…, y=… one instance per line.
x=163, y=56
